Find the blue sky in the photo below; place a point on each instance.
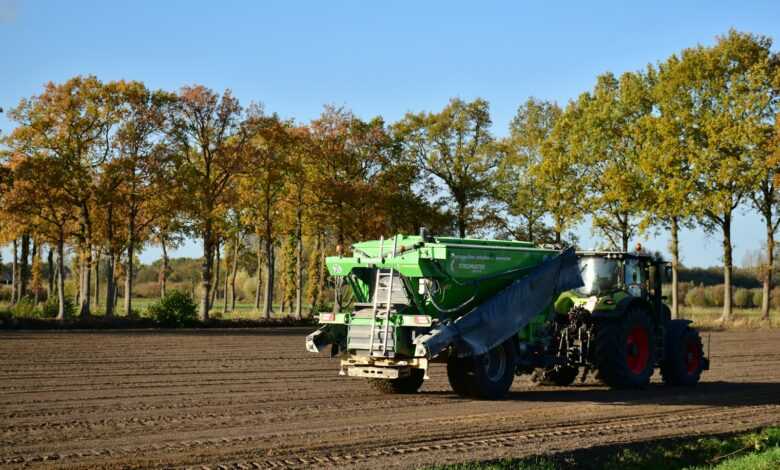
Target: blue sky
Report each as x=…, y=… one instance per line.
x=383, y=58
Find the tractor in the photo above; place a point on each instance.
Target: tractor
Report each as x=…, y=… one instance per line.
x=617, y=325
x=494, y=309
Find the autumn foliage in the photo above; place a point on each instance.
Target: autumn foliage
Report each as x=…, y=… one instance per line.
x=94, y=172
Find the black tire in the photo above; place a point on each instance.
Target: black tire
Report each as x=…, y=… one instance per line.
x=684, y=356
x=404, y=385
x=491, y=374
x=625, y=350
x=459, y=373
x=558, y=375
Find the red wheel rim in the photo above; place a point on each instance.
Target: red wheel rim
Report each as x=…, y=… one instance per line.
x=693, y=356
x=637, y=349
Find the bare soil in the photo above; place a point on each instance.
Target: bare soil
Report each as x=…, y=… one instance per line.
x=255, y=399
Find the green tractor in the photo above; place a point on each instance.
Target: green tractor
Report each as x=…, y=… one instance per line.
x=617, y=325
x=493, y=309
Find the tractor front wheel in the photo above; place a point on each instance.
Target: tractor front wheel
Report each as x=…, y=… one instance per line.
x=625, y=350
x=404, y=385
x=684, y=356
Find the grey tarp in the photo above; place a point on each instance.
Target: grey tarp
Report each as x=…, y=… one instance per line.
x=503, y=315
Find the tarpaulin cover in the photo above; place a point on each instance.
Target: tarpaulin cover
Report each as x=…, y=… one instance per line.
x=503, y=315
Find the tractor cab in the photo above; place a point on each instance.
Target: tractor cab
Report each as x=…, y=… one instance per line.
x=612, y=276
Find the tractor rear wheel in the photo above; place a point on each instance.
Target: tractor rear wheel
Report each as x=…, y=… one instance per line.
x=684, y=356
x=625, y=350
x=403, y=385
x=492, y=373
x=558, y=375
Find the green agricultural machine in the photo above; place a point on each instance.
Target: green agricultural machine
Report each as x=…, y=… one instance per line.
x=493, y=309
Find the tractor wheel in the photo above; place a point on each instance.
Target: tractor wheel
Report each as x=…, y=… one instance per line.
x=684, y=359
x=459, y=373
x=625, y=350
x=492, y=373
x=558, y=375
x=404, y=385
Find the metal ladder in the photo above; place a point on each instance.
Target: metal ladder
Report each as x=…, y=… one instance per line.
x=381, y=309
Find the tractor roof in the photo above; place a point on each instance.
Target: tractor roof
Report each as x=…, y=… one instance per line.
x=620, y=255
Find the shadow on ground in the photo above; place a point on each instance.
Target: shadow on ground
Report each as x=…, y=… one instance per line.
x=706, y=393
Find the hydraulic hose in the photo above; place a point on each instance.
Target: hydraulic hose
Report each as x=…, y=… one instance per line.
x=447, y=310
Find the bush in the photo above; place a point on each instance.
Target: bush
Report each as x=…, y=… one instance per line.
x=774, y=299
x=682, y=291
x=758, y=297
x=715, y=295
x=176, y=309
x=696, y=297
x=684, y=288
x=147, y=290
x=25, y=308
x=5, y=293
x=743, y=298
x=247, y=289
x=52, y=307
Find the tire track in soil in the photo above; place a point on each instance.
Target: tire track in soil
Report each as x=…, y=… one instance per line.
x=255, y=398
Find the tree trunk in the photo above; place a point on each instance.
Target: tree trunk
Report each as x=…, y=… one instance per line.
x=299, y=265
x=110, y=286
x=86, y=268
x=115, y=300
x=675, y=249
x=234, y=273
x=268, y=296
x=24, y=267
x=770, y=261
x=624, y=232
x=206, y=273
x=35, y=265
x=226, y=283
x=727, y=265
x=81, y=280
x=50, y=262
x=313, y=278
x=462, y=219
x=98, y=254
x=258, y=284
x=164, y=268
x=130, y=268
x=86, y=281
x=61, y=275
x=15, y=274
x=323, y=270
x=215, y=289
x=558, y=234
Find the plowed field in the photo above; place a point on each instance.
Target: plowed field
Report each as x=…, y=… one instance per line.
x=256, y=399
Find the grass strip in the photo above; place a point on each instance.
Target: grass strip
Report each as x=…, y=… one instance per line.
x=753, y=450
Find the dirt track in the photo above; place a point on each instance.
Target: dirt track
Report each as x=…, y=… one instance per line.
x=255, y=399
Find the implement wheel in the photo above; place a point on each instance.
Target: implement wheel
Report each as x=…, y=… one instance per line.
x=558, y=375
x=492, y=373
x=404, y=385
x=625, y=350
x=684, y=361
x=458, y=373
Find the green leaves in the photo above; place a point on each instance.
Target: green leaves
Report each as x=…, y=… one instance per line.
x=456, y=148
x=516, y=185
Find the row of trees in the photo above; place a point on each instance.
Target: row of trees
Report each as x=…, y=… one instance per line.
x=681, y=144
x=105, y=168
